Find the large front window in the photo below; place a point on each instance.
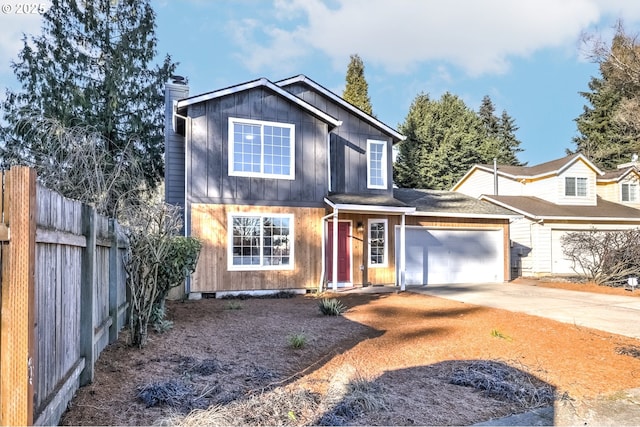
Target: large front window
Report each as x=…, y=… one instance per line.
x=263, y=149
x=377, y=243
x=630, y=192
x=260, y=242
x=376, y=164
x=575, y=187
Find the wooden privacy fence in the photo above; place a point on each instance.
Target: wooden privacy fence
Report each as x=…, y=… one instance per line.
x=63, y=297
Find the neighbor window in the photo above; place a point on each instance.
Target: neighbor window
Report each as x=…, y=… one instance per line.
x=260, y=242
x=376, y=164
x=263, y=149
x=575, y=187
x=630, y=192
x=377, y=243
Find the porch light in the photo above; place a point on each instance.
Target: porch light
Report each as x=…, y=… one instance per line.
x=360, y=227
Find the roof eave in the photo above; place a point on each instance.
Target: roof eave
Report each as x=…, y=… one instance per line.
x=377, y=123
x=184, y=103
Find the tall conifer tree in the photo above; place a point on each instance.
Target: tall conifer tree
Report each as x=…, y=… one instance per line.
x=356, y=90
x=92, y=67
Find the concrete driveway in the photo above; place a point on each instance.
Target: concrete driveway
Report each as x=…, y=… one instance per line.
x=611, y=313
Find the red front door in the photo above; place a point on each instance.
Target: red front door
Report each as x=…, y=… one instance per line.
x=344, y=252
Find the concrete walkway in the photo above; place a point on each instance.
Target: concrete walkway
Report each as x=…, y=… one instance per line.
x=610, y=313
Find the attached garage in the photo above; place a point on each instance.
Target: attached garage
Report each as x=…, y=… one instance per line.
x=453, y=255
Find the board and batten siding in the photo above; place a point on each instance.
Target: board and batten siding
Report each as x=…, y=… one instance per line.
x=348, y=144
x=174, y=147
x=209, y=224
x=208, y=152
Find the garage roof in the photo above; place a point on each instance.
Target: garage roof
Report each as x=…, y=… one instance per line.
x=450, y=203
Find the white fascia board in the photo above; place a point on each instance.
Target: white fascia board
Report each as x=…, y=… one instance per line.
x=343, y=103
x=257, y=83
x=397, y=210
x=465, y=215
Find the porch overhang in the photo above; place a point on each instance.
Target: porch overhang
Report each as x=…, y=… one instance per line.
x=358, y=203
x=365, y=204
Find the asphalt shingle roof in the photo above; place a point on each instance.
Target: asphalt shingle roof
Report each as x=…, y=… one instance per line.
x=440, y=201
x=540, y=208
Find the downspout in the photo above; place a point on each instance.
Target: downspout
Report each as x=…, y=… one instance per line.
x=495, y=176
x=335, y=250
x=187, y=223
x=329, y=162
x=403, y=256
x=324, y=254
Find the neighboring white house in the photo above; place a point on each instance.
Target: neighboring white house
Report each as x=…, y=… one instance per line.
x=561, y=196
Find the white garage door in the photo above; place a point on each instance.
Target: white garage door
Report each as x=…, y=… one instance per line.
x=441, y=256
x=559, y=263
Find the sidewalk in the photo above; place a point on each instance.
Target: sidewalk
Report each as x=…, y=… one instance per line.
x=611, y=313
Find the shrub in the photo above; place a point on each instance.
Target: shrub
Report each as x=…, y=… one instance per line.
x=331, y=307
x=297, y=341
x=604, y=257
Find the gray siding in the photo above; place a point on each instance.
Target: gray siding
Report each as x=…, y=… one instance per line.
x=209, y=179
x=174, y=148
x=348, y=144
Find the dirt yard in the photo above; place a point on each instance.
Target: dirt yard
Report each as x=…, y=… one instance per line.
x=391, y=359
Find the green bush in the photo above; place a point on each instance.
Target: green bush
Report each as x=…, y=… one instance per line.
x=331, y=307
x=297, y=341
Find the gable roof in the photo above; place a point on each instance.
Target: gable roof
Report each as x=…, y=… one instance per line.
x=450, y=204
x=618, y=174
x=553, y=167
x=539, y=209
x=343, y=103
x=181, y=105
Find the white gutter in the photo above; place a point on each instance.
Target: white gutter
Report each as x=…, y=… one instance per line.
x=371, y=208
x=463, y=215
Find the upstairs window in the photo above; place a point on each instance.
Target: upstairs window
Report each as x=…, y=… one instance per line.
x=261, y=149
x=630, y=192
x=376, y=164
x=260, y=242
x=377, y=243
x=575, y=187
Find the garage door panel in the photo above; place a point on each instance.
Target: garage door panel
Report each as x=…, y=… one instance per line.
x=440, y=256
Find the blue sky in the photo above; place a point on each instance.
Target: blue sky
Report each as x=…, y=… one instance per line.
x=526, y=55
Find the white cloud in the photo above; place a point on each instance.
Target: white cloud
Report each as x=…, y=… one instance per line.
x=481, y=37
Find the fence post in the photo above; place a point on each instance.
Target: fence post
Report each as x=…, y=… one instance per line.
x=18, y=304
x=87, y=291
x=114, y=276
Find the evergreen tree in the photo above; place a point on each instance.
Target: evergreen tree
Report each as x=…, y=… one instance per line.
x=508, y=143
x=609, y=126
x=445, y=139
x=356, y=90
x=601, y=137
x=500, y=138
x=90, y=68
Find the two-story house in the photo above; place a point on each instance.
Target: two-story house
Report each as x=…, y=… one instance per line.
x=289, y=187
x=566, y=195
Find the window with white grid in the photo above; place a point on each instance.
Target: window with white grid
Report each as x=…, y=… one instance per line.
x=259, y=242
x=262, y=149
x=376, y=164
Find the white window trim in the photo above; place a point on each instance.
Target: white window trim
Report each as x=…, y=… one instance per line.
x=576, y=178
x=633, y=199
x=370, y=142
x=261, y=267
x=385, y=262
x=230, y=146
